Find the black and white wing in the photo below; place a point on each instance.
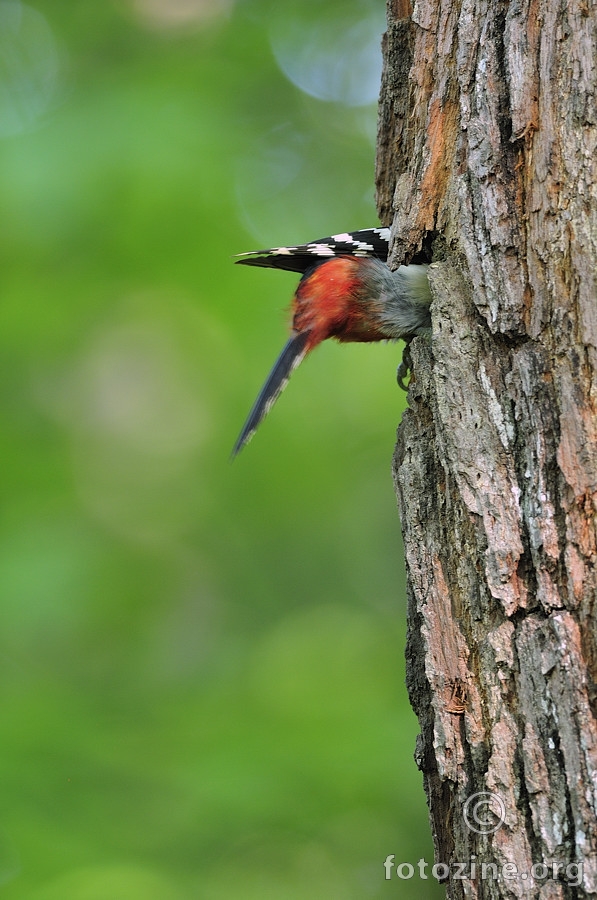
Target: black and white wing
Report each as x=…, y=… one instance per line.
x=365, y=243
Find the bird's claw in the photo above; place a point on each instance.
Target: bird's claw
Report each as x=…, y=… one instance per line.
x=404, y=368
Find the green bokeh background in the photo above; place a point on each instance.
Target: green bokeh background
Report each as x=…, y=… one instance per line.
x=202, y=663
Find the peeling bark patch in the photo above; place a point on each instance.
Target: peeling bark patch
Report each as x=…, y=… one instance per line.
x=400, y=9
x=458, y=698
x=441, y=139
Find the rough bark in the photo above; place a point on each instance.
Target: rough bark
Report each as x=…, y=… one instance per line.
x=487, y=164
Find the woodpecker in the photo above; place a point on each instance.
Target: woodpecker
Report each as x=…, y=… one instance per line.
x=347, y=292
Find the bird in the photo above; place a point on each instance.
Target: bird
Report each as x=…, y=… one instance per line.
x=347, y=292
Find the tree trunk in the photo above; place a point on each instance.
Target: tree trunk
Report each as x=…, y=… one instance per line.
x=487, y=161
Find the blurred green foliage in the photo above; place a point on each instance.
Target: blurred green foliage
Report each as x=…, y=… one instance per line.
x=202, y=663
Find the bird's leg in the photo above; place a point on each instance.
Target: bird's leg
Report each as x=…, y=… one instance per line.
x=405, y=367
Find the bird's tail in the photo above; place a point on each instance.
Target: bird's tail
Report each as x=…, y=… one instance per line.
x=290, y=357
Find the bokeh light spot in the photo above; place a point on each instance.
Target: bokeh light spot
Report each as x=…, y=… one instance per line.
x=331, y=54
x=179, y=14
x=29, y=67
